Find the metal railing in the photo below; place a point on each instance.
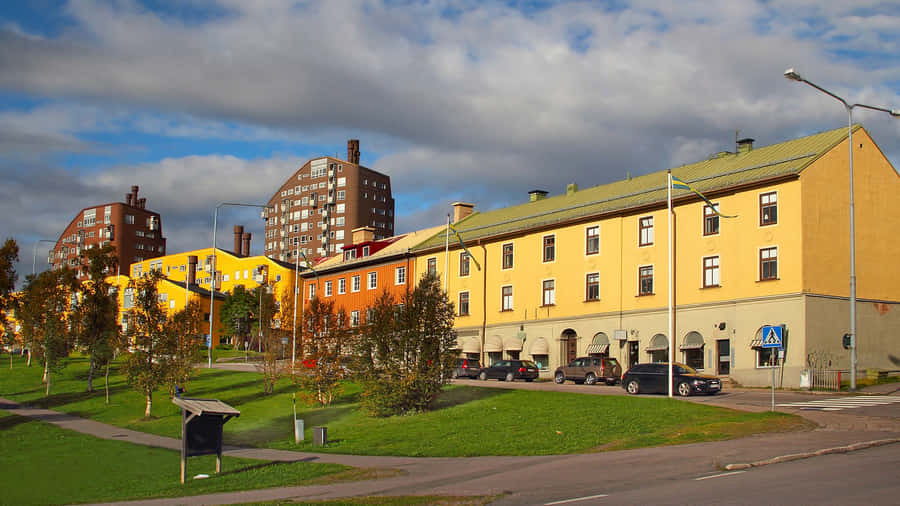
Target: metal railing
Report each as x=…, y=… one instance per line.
x=825, y=379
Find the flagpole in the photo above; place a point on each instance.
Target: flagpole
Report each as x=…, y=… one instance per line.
x=671, y=291
x=446, y=252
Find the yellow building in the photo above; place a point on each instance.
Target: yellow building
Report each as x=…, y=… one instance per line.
x=232, y=270
x=586, y=272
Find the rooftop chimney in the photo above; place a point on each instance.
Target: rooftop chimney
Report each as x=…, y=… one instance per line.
x=245, y=251
x=353, y=151
x=461, y=210
x=142, y=202
x=238, y=234
x=744, y=145
x=192, y=270
x=571, y=188
x=363, y=234
x=535, y=195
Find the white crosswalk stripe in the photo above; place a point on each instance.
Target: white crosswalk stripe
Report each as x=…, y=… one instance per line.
x=839, y=403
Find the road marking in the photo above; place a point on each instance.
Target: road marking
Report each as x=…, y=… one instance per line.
x=585, y=498
x=839, y=403
x=718, y=475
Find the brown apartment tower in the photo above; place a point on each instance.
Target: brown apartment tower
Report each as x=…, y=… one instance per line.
x=316, y=209
x=135, y=232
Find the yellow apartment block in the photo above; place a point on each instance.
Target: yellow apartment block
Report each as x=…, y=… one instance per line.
x=585, y=273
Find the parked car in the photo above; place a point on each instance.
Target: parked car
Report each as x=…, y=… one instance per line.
x=590, y=370
x=467, y=368
x=510, y=370
x=653, y=378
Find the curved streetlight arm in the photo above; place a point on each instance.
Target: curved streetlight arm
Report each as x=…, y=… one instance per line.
x=212, y=279
x=34, y=253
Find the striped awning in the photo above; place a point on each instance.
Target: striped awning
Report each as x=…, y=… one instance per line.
x=471, y=345
x=540, y=347
x=512, y=344
x=493, y=344
x=597, y=349
x=756, y=343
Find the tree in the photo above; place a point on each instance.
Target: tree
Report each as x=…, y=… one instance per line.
x=406, y=352
x=320, y=372
x=44, y=311
x=186, y=329
x=97, y=315
x=237, y=313
x=9, y=255
x=270, y=338
x=153, y=338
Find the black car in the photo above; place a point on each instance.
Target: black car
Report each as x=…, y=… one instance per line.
x=467, y=368
x=653, y=378
x=509, y=370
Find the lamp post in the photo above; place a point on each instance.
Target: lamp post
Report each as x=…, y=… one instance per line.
x=212, y=279
x=792, y=75
x=34, y=254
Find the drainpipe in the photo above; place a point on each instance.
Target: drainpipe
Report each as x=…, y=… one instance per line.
x=483, y=300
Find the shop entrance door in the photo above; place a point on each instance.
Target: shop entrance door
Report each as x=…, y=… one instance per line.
x=723, y=350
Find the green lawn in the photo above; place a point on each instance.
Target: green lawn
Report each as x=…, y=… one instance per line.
x=468, y=422
x=43, y=464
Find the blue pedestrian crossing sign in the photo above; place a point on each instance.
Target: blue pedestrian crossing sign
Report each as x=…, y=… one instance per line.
x=772, y=336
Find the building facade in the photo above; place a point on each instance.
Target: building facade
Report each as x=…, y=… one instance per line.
x=316, y=208
x=585, y=273
x=135, y=231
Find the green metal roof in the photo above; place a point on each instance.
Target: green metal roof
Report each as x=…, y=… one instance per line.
x=717, y=173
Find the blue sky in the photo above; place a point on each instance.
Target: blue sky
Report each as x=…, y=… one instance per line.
x=202, y=102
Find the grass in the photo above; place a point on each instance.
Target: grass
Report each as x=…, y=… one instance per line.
x=468, y=421
x=44, y=464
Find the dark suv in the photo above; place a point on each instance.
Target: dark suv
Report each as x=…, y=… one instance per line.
x=653, y=378
x=467, y=368
x=589, y=370
x=509, y=370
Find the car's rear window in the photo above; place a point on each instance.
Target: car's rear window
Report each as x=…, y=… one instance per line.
x=529, y=363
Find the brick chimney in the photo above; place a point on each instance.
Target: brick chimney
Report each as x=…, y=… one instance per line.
x=238, y=235
x=744, y=145
x=353, y=151
x=535, y=195
x=245, y=251
x=192, y=270
x=461, y=210
x=363, y=234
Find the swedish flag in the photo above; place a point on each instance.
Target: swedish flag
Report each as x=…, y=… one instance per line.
x=681, y=185
x=463, y=246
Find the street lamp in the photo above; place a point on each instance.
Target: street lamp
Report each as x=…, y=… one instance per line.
x=792, y=75
x=212, y=279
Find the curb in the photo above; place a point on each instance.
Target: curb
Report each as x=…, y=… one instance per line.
x=826, y=451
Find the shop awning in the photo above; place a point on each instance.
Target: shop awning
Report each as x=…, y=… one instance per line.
x=471, y=345
x=692, y=341
x=493, y=344
x=540, y=347
x=756, y=343
x=597, y=349
x=512, y=344
x=658, y=343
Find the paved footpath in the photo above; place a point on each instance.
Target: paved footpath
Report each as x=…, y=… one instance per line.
x=837, y=431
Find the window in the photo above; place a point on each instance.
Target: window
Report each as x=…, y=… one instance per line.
x=768, y=208
x=129, y=219
x=592, y=240
x=354, y=318
x=508, y=256
x=549, y=292
x=400, y=275
x=506, y=303
x=328, y=288
x=365, y=251
x=354, y=286
x=342, y=286
x=549, y=248
x=645, y=280
x=768, y=264
x=463, y=264
x=592, y=286
x=373, y=280
x=432, y=266
x=370, y=315
x=350, y=254
x=341, y=194
x=463, y=304
x=711, y=219
x=312, y=291
x=710, y=272
x=645, y=225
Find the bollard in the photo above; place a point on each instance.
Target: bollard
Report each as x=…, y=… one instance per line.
x=320, y=436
